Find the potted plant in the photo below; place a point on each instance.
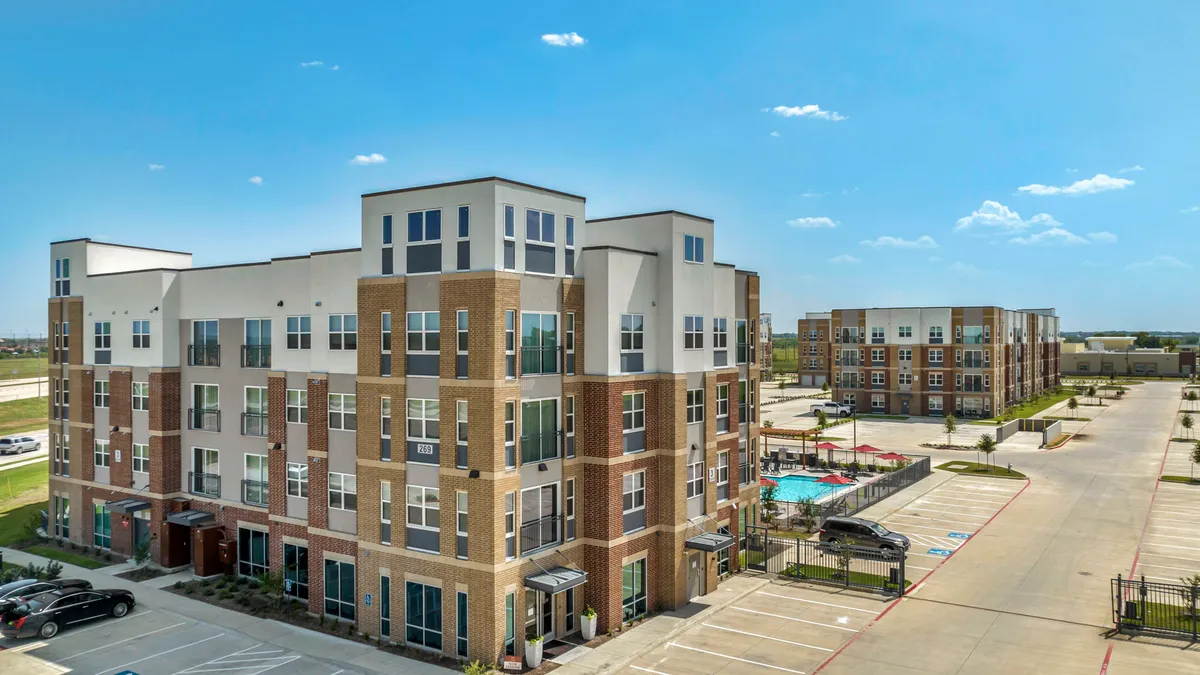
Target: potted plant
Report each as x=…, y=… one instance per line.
x=588, y=623
x=533, y=651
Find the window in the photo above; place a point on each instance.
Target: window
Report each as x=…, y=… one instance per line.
x=387, y=230
x=745, y=475
x=141, y=458
x=570, y=220
x=569, y=335
x=297, y=406
x=905, y=378
x=252, y=552
x=935, y=404
x=386, y=266
x=424, y=507
x=633, y=499
x=744, y=402
x=723, y=556
x=539, y=227
x=295, y=570
x=540, y=519
x=101, y=526
x=343, y=332
x=633, y=421
x=539, y=430
x=510, y=434
x=633, y=590
x=695, y=405
x=693, y=332
x=424, y=332
x=935, y=379
x=460, y=606
x=254, y=416
x=510, y=525
x=753, y=401
x=385, y=607
x=722, y=475
x=570, y=509
x=570, y=247
x=66, y=342
x=905, y=331
x=62, y=277
x=695, y=480
x=935, y=333
x=423, y=419
x=935, y=356
x=877, y=356
x=905, y=355
x=877, y=401
x=510, y=624
x=460, y=523
x=343, y=412
x=385, y=343
x=100, y=453
x=743, y=348
x=722, y=408
x=141, y=396
x=299, y=332
x=343, y=491
x=206, y=472
x=510, y=235
x=693, y=248
x=423, y=615
x=877, y=379
x=539, y=343
x=103, y=335
x=425, y=226
x=632, y=332
x=464, y=222
x=460, y=418
x=297, y=480
x=339, y=589
x=720, y=333
x=141, y=334
x=385, y=427
x=254, y=490
x=461, y=342
x=877, y=333
x=385, y=512
x=510, y=343
x=100, y=396
x=569, y=413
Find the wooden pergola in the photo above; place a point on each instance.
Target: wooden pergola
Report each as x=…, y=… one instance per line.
x=803, y=435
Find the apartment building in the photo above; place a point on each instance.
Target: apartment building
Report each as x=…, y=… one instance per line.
x=766, y=342
x=491, y=415
x=971, y=361
x=814, y=360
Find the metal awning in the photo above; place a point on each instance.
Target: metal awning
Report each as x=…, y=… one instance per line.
x=709, y=541
x=191, y=518
x=556, y=579
x=130, y=505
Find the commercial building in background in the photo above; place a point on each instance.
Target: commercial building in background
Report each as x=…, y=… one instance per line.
x=971, y=361
x=1106, y=356
x=766, y=343
x=488, y=417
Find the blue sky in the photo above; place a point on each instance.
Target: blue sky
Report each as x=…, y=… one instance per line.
x=1027, y=155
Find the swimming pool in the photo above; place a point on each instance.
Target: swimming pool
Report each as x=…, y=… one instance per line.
x=795, y=488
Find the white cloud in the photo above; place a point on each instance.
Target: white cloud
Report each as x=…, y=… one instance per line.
x=1190, y=209
x=1129, y=169
x=157, y=167
x=563, y=39
x=775, y=134
x=849, y=191
x=1088, y=186
x=811, y=110
x=1050, y=237
x=935, y=258
x=257, y=180
x=1103, y=237
x=844, y=259
x=998, y=218
x=373, y=158
x=811, y=194
x=336, y=68
x=1158, y=262
x=924, y=241
x=1072, y=170
x=819, y=221
x=312, y=64
x=963, y=268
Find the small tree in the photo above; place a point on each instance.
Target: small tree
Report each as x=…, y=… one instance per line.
x=987, y=445
x=1192, y=397
x=1195, y=457
x=1091, y=392
x=769, y=502
x=272, y=585
x=1191, y=593
x=768, y=424
x=141, y=554
x=807, y=517
x=825, y=386
x=1072, y=405
x=822, y=419
x=950, y=426
x=1187, y=423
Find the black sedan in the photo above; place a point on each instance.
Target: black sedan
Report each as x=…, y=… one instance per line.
x=46, y=614
x=30, y=587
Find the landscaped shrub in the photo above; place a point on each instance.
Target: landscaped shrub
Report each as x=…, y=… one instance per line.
x=177, y=585
x=187, y=590
x=207, y=592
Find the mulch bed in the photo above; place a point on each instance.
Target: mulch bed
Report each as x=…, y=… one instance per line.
x=141, y=574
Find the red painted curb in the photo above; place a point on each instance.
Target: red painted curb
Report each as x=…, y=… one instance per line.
x=1107, y=658
x=1162, y=465
x=919, y=581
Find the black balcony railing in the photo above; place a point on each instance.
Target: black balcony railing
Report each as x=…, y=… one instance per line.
x=256, y=356
x=204, y=419
x=541, y=533
x=540, y=447
x=972, y=363
x=254, y=424
x=207, y=484
x=254, y=492
x=541, y=360
x=204, y=354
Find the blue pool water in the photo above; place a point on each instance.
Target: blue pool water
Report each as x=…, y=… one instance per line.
x=795, y=488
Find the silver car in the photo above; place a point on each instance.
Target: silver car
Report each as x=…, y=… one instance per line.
x=15, y=445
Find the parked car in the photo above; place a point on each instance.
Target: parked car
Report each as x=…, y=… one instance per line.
x=15, y=445
x=833, y=409
x=26, y=588
x=861, y=532
x=46, y=614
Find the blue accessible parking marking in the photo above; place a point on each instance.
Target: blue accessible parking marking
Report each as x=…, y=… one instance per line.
x=939, y=551
x=959, y=535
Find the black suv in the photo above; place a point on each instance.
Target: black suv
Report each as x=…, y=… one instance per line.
x=861, y=532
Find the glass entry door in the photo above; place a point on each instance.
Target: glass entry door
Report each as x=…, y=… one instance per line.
x=539, y=614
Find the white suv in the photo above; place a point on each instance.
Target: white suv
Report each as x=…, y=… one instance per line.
x=833, y=409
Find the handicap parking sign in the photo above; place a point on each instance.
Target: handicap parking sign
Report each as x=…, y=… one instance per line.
x=959, y=535
x=939, y=551
x=287, y=587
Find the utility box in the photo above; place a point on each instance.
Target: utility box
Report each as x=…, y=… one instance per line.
x=228, y=552
x=206, y=552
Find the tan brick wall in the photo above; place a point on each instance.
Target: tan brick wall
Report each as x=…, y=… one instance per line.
x=318, y=442
x=376, y=296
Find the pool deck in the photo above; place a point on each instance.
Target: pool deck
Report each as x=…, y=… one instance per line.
x=864, y=479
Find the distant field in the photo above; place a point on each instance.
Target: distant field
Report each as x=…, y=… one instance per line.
x=26, y=414
x=25, y=367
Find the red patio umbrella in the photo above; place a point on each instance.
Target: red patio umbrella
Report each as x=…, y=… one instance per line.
x=835, y=479
x=826, y=445
x=891, y=457
x=765, y=482
x=866, y=448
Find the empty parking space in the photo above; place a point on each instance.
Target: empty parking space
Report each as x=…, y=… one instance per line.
x=782, y=627
x=1170, y=548
x=156, y=642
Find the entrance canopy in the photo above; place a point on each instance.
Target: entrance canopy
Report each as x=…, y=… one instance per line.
x=711, y=542
x=556, y=579
x=191, y=518
x=130, y=505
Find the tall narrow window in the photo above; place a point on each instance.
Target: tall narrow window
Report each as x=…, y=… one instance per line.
x=205, y=349
x=510, y=343
x=297, y=406
x=510, y=624
x=570, y=246
x=103, y=342
x=62, y=277
x=743, y=346
x=569, y=336
x=339, y=589
x=633, y=496
x=510, y=434
x=387, y=265
x=65, y=357
x=460, y=524
x=464, y=238
x=633, y=421
x=695, y=480
x=753, y=401
x=510, y=525
x=385, y=428
x=510, y=237
x=101, y=527
x=570, y=504
x=255, y=481
x=722, y=408
x=460, y=346
x=385, y=607
x=423, y=517
x=633, y=590
x=385, y=512
x=254, y=414
x=460, y=432
x=632, y=342
x=570, y=430
x=101, y=393
x=722, y=475
x=461, y=623
x=256, y=350
x=385, y=344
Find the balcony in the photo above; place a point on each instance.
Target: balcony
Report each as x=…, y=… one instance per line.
x=743, y=352
x=972, y=387
x=971, y=340
x=540, y=360
x=540, y=447
x=256, y=356
x=879, y=385
x=936, y=364
x=972, y=363
x=204, y=484
x=204, y=420
x=541, y=533
x=205, y=354
x=935, y=387
x=254, y=492
x=254, y=424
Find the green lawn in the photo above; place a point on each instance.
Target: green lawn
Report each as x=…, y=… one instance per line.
x=55, y=553
x=1071, y=419
x=23, y=491
x=974, y=469
x=1179, y=479
x=26, y=414
x=25, y=366
x=1031, y=408
x=791, y=534
x=1181, y=439
x=805, y=571
x=1160, y=615
x=883, y=417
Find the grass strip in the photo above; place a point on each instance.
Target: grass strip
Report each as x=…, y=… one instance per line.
x=976, y=469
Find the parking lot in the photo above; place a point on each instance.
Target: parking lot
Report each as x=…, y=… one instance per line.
x=1170, y=548
x=157, y=642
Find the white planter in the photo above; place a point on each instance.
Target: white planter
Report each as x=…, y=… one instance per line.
x=533, y=653
x=588, y=626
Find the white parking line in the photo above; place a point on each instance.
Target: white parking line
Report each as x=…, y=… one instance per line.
x=934, y=520
x=238, y=652
x=1171, y=536
x=644, y=670
x=1172, y=557
x=926, y=555
x=943, y=495
x=1180, y=529
x=914, y=567
x=999, y=500
x=947, y=530
x=107, y=624
x=112, y=644
x=123, y=666
x=814, y=602
x=1167, y=567
x=986, y=487
x=1182, y=548
x=956, y=506
x=934, y=541
x=766, y=637
x=736, y=658
x=791, y=618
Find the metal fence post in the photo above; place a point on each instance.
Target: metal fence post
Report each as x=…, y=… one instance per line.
x=1192, y=595
x=903, y=576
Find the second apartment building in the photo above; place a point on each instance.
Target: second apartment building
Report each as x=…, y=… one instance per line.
x=969, y=361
